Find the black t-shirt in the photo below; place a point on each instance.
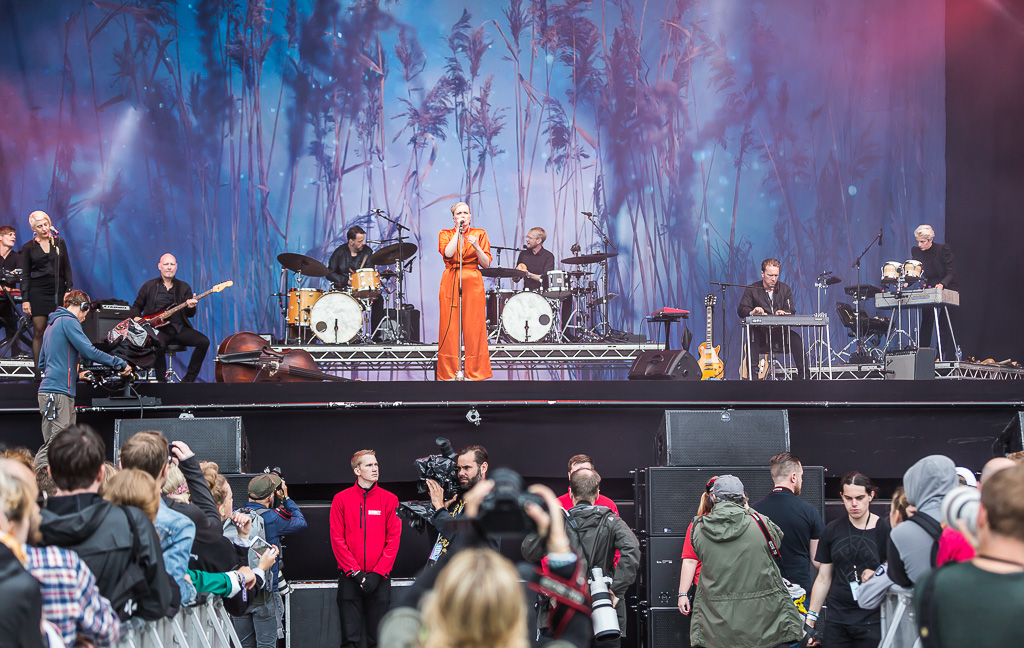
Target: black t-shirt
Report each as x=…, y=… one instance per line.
x=800, y=523
x=536, y=264
x=851, y=550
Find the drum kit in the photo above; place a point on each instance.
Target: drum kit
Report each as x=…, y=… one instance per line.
x=564, y=296
x=342, y=316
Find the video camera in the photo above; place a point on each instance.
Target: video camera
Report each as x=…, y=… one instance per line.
x=442, y=468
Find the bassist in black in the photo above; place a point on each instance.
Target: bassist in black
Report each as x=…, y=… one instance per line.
x=165, y=292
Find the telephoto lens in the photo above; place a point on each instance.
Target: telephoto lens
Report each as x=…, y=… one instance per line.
x=606, y=620
x=961, y=504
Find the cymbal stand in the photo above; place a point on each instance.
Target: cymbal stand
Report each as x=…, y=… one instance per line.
x=901, y=284
x=401, y=269
x=860, y=357
x=821, y=285
x=604, y=266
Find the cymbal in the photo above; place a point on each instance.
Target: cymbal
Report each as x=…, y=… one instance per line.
x=387, y=274
x=578, y=273
x=590, y=258
x=503, y=273
x=863, y=291
x=394, y=253
x=601, y=301
x=302, y=264
x=831, y=281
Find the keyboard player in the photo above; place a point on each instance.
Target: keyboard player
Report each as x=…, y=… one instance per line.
x=769, y=296
x=938, y=271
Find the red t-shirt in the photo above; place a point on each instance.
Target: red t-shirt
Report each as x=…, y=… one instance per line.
x=688, y=553
x=566, y=502
x=953, y=547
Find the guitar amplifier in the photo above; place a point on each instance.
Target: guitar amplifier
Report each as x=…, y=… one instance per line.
x=105, y=315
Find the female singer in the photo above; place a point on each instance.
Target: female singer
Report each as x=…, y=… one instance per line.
x=470, y=246
x=46, y=276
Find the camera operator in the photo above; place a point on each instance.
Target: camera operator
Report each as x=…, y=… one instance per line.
x=978, y=603
x=472, y=466
x=595, y=533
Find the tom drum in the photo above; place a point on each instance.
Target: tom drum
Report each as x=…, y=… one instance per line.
x=555, y=284
x=300, y=304
x=913, y=269
x=891, y=271
x=365, y=283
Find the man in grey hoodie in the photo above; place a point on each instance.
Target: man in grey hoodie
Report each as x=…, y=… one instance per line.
x=912, y=546
x=63, y=343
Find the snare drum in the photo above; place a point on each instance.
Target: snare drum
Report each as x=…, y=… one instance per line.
x=300, y=303
x=555, y=284
x=527, y=317
x=891, y=271
x=496, y=300
x=336, y=318
x=913, y=269
x=365, y=283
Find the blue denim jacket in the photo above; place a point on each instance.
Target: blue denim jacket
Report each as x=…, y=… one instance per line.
x=176, y=535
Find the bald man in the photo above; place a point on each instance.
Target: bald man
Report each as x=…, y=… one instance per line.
x=165, y=292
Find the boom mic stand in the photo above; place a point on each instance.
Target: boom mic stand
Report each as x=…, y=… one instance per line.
x=859, y=356
x=400, y=269
x=604, y=265
x=722, y=285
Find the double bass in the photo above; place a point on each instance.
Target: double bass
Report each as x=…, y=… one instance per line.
x=247, y=357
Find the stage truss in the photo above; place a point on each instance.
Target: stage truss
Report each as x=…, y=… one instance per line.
x=503, y=356
x=943, y=371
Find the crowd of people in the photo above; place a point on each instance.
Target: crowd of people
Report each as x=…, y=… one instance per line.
x=86, y=544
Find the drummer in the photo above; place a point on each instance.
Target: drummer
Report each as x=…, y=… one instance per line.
x=348, y=258
x=535, y=260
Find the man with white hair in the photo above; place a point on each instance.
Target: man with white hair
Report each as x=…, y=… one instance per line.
x=938, y=272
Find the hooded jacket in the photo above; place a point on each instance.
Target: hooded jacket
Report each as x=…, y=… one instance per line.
x=21, y=601
x=63, y=343
x=741, y=601
x=98, y=532
x=910, y=546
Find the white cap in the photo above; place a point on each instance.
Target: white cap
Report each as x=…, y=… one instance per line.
x=968, y=475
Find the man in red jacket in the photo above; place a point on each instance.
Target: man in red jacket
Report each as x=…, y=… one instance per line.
x=365, y=532
x=584, y=462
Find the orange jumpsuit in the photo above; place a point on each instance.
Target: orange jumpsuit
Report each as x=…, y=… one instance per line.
x=474, y=316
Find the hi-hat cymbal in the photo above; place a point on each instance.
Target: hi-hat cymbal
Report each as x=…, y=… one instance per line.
x=590, y=258
x=578, y=273
x=862, y=291
x=394, y=253
x=387, y=274
x=503, y=273
x=302, y=264
x=601, y=301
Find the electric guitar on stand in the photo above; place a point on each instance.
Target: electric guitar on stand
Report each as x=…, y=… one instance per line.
x=711, y=366
x=159, y=318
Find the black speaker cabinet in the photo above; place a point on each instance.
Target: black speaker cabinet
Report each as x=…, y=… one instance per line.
x=671, y=364
x=666, y=627
x=311, y=615
x=913, y=364
x=658, y=579
x=219, y=439
x=406, y=317
x=105, y=316
x=1012, y=437
x=667, y=498
x=721, y=437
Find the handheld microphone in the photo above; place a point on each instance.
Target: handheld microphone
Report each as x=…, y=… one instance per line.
x=53, y=231
x=585, y=213
x=879, y=237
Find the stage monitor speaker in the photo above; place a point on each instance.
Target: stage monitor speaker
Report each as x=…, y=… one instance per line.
x=408, y=319
x=913, y=364
x=721, y=437
x=671, y=364
x=220, y=439
x=666, y=499
x=311, y=614
x=666, y=628
x=1011, y=439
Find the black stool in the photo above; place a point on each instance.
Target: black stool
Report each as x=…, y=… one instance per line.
x=172, y=348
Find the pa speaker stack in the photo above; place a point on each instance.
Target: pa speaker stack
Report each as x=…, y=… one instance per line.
x=691, y=447
x=220, y=439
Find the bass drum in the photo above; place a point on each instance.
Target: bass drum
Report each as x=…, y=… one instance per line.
x=336, y=318
x=527, y=317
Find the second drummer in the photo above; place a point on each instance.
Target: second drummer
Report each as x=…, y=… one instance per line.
x=535, y=260
x=348, y=258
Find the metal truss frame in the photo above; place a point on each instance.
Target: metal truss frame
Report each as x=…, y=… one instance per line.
x=525, y=356
x=17, y=369
x=976, y=371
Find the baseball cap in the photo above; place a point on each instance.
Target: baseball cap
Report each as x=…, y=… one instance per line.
x=968, y=476
x=261, y=486
x=727, y=485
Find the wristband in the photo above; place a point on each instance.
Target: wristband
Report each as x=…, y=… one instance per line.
x=682, y=595
x=812, y=615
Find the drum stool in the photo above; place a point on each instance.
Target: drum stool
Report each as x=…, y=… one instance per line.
x=170, y=350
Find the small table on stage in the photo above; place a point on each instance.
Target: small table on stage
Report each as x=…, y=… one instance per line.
x=817, y=322
x=668, y=315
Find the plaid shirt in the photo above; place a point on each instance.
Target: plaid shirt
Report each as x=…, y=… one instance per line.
x=70, y=598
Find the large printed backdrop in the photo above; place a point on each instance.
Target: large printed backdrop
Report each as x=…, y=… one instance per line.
x=704, y=135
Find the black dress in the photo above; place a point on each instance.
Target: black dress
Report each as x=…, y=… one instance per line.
x=47, y=276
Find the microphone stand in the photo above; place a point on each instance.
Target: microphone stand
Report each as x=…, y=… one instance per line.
x=460, y=375
x=722, y=285
x=856, y=264
x=401, y=337
x=604, y=265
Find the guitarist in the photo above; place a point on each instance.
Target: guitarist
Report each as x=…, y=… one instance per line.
x=771, y=297
x=165, y=292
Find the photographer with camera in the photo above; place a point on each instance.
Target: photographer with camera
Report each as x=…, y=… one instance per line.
x=472, y=469
x=596, y=533
x=978, y=603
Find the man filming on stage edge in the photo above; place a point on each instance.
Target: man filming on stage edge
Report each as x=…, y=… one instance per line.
x=771, y=297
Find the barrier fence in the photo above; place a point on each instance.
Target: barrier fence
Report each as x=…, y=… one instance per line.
x=206, y=625
x=899, y=621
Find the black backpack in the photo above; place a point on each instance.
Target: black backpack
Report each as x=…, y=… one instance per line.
x=934, y=529
x=132, y=584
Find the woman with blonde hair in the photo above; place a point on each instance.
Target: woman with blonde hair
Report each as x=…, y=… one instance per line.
x=133, y=487
x=175, y=486
x=476, y=602
x=46, y=275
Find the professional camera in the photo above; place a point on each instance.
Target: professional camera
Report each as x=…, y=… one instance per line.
x=961, y=504
x=606, y=620
x=442, y=468
x=501, y=511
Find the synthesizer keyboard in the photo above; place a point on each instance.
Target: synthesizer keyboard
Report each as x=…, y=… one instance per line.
x=786, y=320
